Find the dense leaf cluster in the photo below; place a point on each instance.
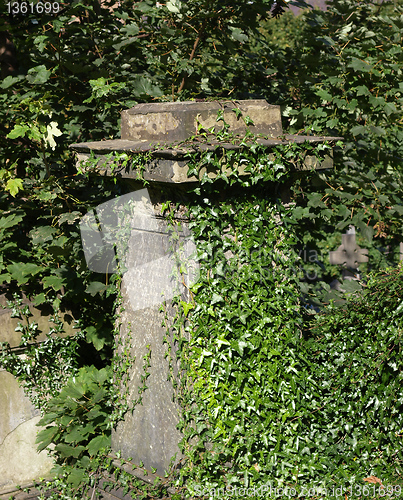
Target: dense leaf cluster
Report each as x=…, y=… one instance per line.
x=349, y=84
x=357, y=356
x=79, y=422
x=244, y=323
x=269, y=399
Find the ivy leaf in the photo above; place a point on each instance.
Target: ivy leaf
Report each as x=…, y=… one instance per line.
x=9, y=81
x=358, y=129
x=143, y=86
x=362, y=90
x=143, y=7
x=216, y=298
x=84, y=461
x=48, y=418
x=377, y=130
x=324, y=95
x=366, y=230
x=174, y=6
x=38, y=75
x=45, y=195
x=130, y=30
x=41, y=42
x=10, y=221
x=69, y=217
x=93, y=336
x=75, y=435
x=52, y=131
x=398, y=209
x=76, y=477
x=359, y=65
x=187, y=306
x=13, y=186
x=42, y=234
x=241, y=346
x=46, y=436
x=96, y=287
x=238, y=35
x=351, y=286
x=39, y=299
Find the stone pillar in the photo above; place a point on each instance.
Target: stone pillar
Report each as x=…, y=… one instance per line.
x=149, y=434
x=145, y=251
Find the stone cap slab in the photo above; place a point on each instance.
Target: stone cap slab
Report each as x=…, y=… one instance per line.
x=177, y=121
x=169, y=131
x=183, y=148
x=170, y=163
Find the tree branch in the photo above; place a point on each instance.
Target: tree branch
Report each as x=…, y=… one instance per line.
x=192, y=54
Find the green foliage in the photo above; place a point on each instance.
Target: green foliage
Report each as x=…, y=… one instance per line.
x=265, y=402
x=357, y=353
x=46, y=366
x=283, y=32
x=349, y=84
x=239, y=396
x=76, y=422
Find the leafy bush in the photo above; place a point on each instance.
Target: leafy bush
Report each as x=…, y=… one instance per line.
x=243, y=354
x=77, y=423
x=349, y=84
x=356, y=349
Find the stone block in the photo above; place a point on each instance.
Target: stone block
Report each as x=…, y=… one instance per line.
x=19, y=461
x=168, y=130
x=173, y=122
x=149, y=435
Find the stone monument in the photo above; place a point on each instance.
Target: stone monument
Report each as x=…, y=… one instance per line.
x=149, y=434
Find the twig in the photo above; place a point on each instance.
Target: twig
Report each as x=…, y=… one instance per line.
x=192, y=54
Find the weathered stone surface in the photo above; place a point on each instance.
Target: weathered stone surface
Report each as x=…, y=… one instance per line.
x=19, y=460
x=170, y=165
x=149, y=433
x=348, y=254
x=177, y=121
x=15, y=407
